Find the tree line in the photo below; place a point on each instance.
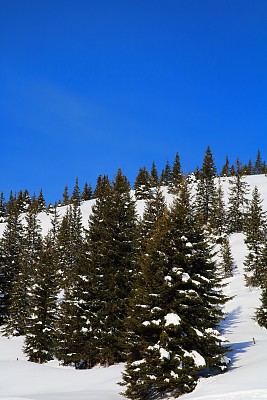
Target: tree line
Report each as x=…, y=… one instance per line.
x=145, y=291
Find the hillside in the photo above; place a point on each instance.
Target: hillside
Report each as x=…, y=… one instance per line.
x=246, y=379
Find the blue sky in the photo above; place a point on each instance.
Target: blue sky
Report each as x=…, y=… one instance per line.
x=91, y=86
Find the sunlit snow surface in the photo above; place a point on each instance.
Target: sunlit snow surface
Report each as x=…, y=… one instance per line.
x=247, y=379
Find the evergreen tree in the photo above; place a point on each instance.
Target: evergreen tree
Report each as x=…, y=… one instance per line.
x=217, y=218
x=10, y=258
x=76, y=194
x=227, y=262
x=226, y=167
x=174, y=309
x=87, y=193
x=2, y=207
x=40, y=322
x=177, y=177
x=66, y=198
x=142, y=185
x=258, y=166
x=41, y=201
x=102, y=186
x=255, y=227
x=154, y=177
x=237, y=203
x=206, y=187
x=166, y=175
x=111, y=253
x=18, y=310
x=261, y=314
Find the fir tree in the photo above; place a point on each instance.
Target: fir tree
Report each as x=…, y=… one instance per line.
x=2, y=207
x=87, y=193
x=237, y=203
x=18, y=310
x=76, y=194
x=258, y=166
x=40, y=322
x=166, y=175
x=111, y=252
x=217, y=218
x=174, y=309
x=154, y=177
x=255, y=227
x=206, y=187
x=177, y=177
x=41, y=201
x=227, y=262
x=11, y=258
x=66, y=198
x=226, y=167
x=102, y=186
x=142, y=185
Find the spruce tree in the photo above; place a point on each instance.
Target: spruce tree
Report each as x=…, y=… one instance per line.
x=206, y=187
x=174, y=309
x=111, y=253
x=154, y=177
x=11, y=258
x=2, y=207
x=255, y=227
x=87, y=192
x=227, y=263
x=41, y=201
x=66, y=198
x=237, y=203
x=76, y=194
x=177, y=176
x=226, y=167
x=166, y=175
x=258, y=165
x=102, y=186
x=217, y=220
x=142, y=185
x=20, y=296
x=40, y=322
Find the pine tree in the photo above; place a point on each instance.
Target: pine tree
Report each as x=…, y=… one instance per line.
x=102, y=186
x=18, y=310
x=166, y=175
x=66, y=198
x=237, y=203
x=154, y=177
x=177, y=176
x=226, y=168
x=2, y=208
x=258, y=166
x=41, y=201
x=227, y=262
x=261, y=313
x=174, y=309
x=255, y=227
x=40, y=322
x=142, y=185
x=11, y=258
x=217, y=218
x=76, y=194
x=87, y=193
x=111, y=253
x=206, y=187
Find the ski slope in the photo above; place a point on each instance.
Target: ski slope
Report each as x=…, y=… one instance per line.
x=246, y=379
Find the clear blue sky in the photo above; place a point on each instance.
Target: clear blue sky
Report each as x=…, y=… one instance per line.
x=90, y=86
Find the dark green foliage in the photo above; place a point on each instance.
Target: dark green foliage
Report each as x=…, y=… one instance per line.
x=226, y=167
x=255, y=230
x=177, y=176
x=174, y=309
x=87, y=193
x=227, y=263
x=41, y=201
x=166, y=175
x=102, y=186
x=206, y=188
x=261, y=313
x=217, y=219
x=11, y=258
x=154, y=177
x=111, y=252
x=2, y=207
x=66, y=198
x=76, y=194
x=40, y=322
x=142, y=185
x=258, y=167
x=237, y=203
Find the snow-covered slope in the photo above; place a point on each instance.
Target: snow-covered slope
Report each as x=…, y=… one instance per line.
x=246, y=380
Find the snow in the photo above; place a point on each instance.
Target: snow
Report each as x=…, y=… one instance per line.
x=246, y=379
x=172, y=319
